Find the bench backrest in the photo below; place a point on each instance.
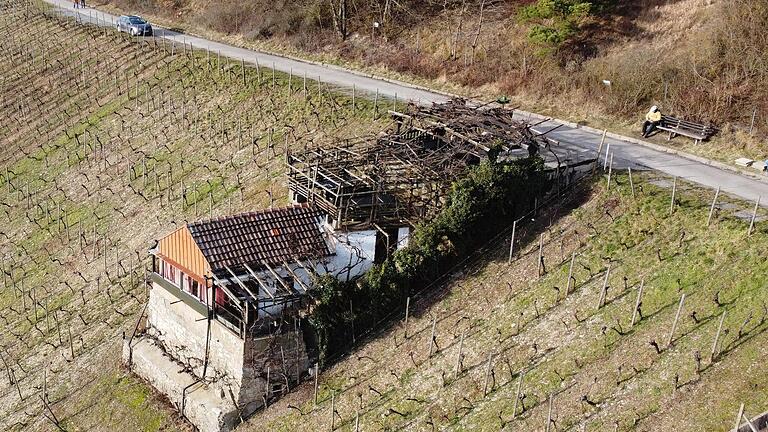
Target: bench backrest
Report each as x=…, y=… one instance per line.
x=674, y=122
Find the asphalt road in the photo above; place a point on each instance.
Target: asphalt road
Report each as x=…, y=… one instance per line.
x=574, y=143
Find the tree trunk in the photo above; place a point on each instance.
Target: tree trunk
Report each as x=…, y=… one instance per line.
x=340, y=18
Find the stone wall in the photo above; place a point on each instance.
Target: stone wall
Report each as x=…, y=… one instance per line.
x=183, y=332
x=201, y=404
x=281, y=357
x=237, y=368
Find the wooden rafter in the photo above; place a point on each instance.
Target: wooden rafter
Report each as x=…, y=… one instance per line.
x=229, y=293
x=278, y=278
x=242, y=285
x=258, y=279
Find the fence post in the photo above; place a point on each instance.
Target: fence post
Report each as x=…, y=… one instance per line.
x=738, y=418
x=677, y=317
x=570, y=276
x=407, y=309
x=672, y=201
x=487, y=374
x=637, y=302
x=549, y=414
x=712, y=207
x=599, y=150
x=432, y=337
x=541, y=246
x=317, y=374
x=610, y=172
x=333, y=409
x=459, y=357
x=754, y=215
x=517, y=394
x=604, y=289
x=512, y=242
x=717, y=338
x=376, y=104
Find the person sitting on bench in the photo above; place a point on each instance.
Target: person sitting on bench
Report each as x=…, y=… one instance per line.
x=652, y=119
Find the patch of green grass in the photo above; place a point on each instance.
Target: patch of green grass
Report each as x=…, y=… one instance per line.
x=571, y=349
x=123, y=402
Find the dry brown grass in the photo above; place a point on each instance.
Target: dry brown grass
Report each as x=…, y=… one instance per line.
x=703, y=60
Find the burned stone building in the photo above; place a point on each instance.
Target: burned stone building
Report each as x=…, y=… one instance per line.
x=402, y=175
x=221, y=333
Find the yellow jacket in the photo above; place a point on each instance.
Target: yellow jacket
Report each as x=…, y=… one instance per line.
x=653, y=116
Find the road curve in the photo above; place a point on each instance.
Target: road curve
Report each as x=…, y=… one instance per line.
x=572, y=141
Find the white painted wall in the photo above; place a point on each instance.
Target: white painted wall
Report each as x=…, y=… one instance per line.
x=355, y=252
x=403, y=237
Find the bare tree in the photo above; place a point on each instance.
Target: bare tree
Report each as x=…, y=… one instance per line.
x=479, y=29
x=340, y=17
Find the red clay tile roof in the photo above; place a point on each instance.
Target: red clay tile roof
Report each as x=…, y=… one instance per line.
x=268, y=236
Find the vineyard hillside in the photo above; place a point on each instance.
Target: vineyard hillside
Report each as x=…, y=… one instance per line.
x=630, y=303
x=106, y=145
x=508, y=347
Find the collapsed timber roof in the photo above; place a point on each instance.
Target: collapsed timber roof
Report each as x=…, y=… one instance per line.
x=402, y=175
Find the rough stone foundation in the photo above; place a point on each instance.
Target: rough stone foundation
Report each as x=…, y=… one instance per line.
x=171, y=356
x=201, y=404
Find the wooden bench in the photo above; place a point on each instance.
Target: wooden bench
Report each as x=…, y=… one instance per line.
x=675, y=126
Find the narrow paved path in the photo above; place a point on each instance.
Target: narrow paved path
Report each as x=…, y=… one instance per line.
x=575, y=143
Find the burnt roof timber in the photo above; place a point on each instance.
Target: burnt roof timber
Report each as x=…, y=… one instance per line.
x=314, y=180
x=228, y=292
x=399, y=114
x=411, y=165
x=239, y=282
x=359, y=178
x=309, y=269
x=324, y=171
x=278, y=278
x=544, y=133
x=295, y=276
x=258, y=279
x=459, y=135
x=530, y=125
x=429, y=147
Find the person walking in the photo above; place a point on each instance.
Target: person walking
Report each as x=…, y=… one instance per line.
x=652, y=119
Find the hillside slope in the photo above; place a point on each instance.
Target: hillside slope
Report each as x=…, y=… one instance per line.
x=701, y=59
x=601, y=372
x=107, y=145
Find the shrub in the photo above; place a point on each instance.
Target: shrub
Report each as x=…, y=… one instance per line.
x=556, y=21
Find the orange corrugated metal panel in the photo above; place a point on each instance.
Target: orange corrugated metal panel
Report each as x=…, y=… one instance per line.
x=180, y=248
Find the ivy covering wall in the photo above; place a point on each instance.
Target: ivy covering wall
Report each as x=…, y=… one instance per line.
x=478, y=206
